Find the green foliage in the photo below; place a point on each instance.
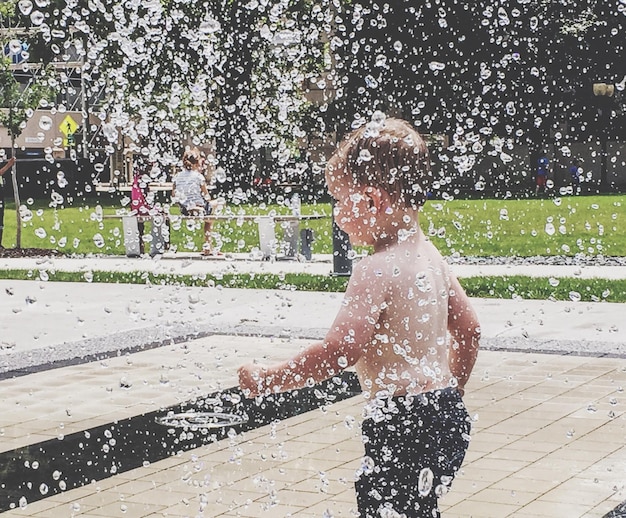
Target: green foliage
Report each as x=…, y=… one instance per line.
x=18, y=101
x=7, y=8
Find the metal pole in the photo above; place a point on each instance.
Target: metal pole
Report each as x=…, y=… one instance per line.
x=342, y=264
x=85, y=103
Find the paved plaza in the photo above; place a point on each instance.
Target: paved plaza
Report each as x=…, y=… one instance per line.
x=78, y=360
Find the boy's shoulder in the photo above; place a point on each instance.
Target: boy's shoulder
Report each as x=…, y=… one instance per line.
x=369, y=268
x=397, y=261
x=380, y=265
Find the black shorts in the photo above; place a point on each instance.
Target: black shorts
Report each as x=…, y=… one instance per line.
x=414, y=446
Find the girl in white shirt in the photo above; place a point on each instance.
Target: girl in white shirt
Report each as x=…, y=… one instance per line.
x=191, y=194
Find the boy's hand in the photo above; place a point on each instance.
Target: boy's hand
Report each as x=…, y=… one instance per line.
x=252, y=379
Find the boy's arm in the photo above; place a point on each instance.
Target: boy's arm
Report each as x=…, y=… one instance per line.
x=352, y=329
x=465, y=330
x=316, y=363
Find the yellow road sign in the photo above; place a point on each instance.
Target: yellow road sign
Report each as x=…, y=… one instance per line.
x=68, y=126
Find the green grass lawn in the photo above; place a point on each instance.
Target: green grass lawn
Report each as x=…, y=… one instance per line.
x=505, y=287
x=561, y=226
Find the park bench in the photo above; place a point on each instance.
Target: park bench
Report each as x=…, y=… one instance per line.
x=287, y=248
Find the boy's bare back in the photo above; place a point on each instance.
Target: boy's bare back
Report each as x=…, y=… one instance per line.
x=401, y=294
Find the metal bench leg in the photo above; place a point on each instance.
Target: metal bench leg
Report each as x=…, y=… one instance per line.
x=160, y=234
x=131, y=236
x=291, y=234
x=306, y=240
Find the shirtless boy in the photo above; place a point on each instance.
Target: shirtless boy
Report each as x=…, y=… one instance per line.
x=406, y=326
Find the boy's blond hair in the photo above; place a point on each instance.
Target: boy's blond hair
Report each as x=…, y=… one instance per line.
x=390, y=154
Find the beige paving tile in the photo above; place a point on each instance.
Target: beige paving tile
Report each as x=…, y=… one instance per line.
x=484, y=418
x=519, y=426
x=164, y=497
x=529, y=443
x=605, y=448
x=267, y=481
x=576, y=490
x=63, y=511
x=526, y=482
x=488, y=463
x=333, y=453
x=325, y=483
x=452, y=498
x=267, y=508
x=16, y=436
x=576, y=452
x=94, y=500
x=513, y=452
x=126, y=509
x=546, y=509
x=473, y=479
x=607, y=477
x=314, y=465
x=506, y=497
x=522, y=514
x=549, y=470
x=487, y=441
x=550, y=410
x=336, y=508
x=471, y=508
x=161, y=471
x=42, y=508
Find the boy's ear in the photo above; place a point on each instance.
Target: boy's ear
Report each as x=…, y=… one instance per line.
x=375, y=196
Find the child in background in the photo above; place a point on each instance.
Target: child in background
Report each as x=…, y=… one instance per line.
x=190, y=192
x=406, y=326
x=574, y=172
x=139, y=205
